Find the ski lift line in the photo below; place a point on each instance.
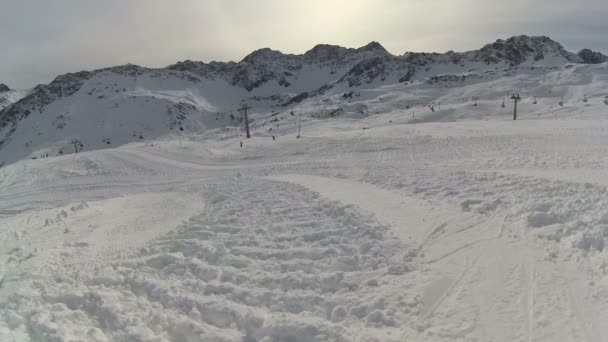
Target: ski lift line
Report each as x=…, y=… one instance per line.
x=538, y=98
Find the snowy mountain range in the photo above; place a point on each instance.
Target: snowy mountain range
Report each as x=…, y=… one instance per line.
x=113, y=106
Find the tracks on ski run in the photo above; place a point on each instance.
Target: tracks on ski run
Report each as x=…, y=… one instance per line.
x=455, y=255
x=265, y=259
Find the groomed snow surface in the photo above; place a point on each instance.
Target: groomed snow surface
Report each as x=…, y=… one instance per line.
x=462, y=231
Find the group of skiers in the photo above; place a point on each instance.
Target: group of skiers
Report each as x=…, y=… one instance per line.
x=45, y=155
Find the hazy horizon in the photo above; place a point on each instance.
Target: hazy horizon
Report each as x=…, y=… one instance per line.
x=43, y=40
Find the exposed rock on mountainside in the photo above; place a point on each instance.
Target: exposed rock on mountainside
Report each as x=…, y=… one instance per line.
x=517, y=50
x=591, y=57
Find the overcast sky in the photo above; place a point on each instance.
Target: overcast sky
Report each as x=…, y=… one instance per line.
x=40, y=39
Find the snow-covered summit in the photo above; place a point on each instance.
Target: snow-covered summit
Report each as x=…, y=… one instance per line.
x=8, y=96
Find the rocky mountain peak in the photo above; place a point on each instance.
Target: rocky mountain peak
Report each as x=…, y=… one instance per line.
x=262, y=55
x=4, y=88
x=519, y=49
x=324, y=52
x=373, y=46
x=591, y=57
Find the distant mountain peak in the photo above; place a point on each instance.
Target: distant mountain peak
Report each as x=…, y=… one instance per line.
x=523, y=43
x=262, y=55
x=323, y=53
x=532, y=39
x=588, y=56
x=373, y=46
x=518, y=49
x=323, y=47
x=4, y=88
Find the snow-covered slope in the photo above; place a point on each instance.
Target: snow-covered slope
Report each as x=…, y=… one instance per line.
x=361, y=230
x=114, y=106
x=8, y=96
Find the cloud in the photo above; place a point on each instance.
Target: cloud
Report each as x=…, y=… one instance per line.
x=41, y=39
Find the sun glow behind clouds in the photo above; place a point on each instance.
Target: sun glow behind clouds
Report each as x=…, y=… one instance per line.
x=294, y=26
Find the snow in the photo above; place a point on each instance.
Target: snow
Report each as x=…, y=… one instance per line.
x=410, y=218
x=9, y=97
x=415, y=211
x=452, y=231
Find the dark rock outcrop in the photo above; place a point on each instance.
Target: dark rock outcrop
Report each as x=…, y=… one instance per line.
x=591, y=57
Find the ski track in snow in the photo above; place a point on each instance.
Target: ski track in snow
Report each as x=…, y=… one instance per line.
x=411, y=219
x=463, y=232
